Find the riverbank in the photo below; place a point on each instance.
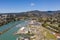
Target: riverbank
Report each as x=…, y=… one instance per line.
x=40, y=33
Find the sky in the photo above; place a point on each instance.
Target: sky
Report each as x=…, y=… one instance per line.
x=8, y=6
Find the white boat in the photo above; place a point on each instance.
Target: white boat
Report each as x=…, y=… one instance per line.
x=16, y=38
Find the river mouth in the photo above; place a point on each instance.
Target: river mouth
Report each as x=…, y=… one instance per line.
x=9, y=35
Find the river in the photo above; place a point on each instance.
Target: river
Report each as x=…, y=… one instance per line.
x=9, y=35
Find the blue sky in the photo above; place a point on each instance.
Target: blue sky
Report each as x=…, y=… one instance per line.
x=28, y=5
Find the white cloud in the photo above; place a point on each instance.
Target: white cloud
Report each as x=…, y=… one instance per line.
x=32, y=4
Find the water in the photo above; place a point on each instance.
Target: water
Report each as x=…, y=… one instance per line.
x=9, y=35
x=6, y=26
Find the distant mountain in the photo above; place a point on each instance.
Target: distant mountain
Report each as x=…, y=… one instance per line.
x=34, y=13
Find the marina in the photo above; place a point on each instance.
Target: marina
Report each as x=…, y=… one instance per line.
x=9, y=35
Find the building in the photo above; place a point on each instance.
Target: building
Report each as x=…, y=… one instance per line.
x=22, y=30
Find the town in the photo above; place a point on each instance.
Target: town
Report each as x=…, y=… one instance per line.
x=39, y=27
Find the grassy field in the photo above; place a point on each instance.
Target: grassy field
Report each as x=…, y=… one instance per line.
x=49, y=35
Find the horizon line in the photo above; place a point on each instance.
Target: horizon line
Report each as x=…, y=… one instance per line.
x=29, y=11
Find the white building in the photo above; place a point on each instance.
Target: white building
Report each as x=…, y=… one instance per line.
x=22, y=30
